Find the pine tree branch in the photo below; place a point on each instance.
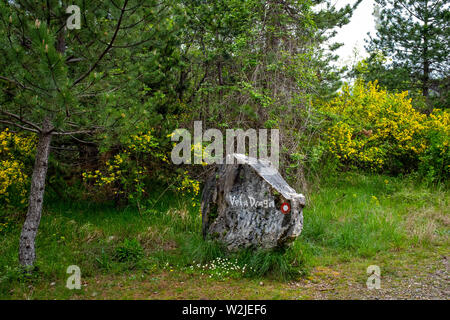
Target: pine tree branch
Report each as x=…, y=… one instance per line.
x=16, y=82
x=19, y=118
x=107, y=48
x=68, y=133
x=19, y=126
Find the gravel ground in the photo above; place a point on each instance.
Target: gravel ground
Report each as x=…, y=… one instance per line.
x=429, y=280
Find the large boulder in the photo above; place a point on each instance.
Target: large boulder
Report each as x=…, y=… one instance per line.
x=249, y=204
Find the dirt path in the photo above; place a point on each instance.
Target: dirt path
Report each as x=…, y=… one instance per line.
x=429, y=280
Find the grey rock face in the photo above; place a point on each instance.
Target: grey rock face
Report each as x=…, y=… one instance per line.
x=241, y=205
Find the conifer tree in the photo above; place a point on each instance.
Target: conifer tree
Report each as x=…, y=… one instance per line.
x=63, y=75
x=412, y=40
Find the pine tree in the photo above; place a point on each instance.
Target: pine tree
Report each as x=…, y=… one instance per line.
x=327, y=20
x=412, y=40
x=102, y=78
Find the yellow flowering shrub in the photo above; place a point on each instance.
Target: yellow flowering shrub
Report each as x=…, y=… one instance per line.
x=16, y=152
x=131, y=172
x=378, y=130
x=189, y=186
x=122, y=174
x=135, y=169
x=198, y=149
x=200, y=152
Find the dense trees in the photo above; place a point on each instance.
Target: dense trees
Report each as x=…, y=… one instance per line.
x=135, y=65
x=258, y=64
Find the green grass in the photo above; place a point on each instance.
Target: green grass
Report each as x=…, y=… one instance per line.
x=351, y=218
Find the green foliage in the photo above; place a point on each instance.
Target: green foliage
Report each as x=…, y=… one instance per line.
x=412, y=37
x=202, y=251
x=280, y=264
x=126, y=173
x=174, y=63
x=69, y=93
x=435, y=161
x=104, y=260
x=18, y=274
x=327, y=19
x=253, y=64
x=130, y=250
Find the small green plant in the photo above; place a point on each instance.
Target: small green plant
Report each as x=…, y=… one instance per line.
x=202, y=251
x=104, y=260
x=283, y=264
x=130, y=250
x=434, y=163
x=17, y=274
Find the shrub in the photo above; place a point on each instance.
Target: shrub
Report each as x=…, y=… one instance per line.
x=131, y=171
x=16, y=153
x=435, y=161
x=123, y=173
x=130, y=250
x=376, y=130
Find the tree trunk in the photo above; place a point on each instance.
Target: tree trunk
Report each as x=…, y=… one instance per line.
x=426, y=78
x=426, y=60
x=27, y=253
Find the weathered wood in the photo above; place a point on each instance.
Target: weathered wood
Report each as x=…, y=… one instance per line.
x=27, y=253
x=241, y=205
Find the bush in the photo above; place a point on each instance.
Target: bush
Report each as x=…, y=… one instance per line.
x=128, y=172
x=435, y=161
x=130, y=250
x=16, y=154
x=123, y=173
x=376, y=130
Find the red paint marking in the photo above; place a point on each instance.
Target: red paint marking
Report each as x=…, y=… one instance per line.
x=285, y=208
